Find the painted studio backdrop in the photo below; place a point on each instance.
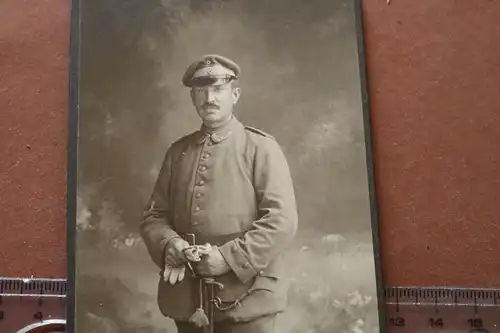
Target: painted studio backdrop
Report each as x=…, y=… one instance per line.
x=300, y=83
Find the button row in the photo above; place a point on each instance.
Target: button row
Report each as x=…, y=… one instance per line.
x=201, y=182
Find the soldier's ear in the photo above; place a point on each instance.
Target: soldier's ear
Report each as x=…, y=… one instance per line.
x=236, y=94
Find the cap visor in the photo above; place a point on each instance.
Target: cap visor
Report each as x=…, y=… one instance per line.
x=209, y=81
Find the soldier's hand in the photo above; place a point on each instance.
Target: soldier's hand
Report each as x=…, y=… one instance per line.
x=175, y=261
x=174, y=253
x=212, y=264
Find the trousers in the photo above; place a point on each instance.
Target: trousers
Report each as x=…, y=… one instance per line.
x=259, y=325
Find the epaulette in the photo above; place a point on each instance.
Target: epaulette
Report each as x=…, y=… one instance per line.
x=258, y=131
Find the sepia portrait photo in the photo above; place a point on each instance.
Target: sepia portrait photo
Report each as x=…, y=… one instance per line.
x=224, y=178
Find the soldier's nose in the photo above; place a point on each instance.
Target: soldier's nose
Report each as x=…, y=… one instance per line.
x=210, y=97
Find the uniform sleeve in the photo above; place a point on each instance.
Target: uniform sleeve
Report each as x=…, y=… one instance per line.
x=155, y=226
x=278, y=220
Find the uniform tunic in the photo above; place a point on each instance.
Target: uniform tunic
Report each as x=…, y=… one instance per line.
x=233, y=189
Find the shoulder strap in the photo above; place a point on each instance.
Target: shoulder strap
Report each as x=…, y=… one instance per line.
x=258, y=131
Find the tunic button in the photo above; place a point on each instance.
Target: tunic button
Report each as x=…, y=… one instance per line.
x=197, y=208
x=201, y=182
x=246, y=265
x=203, y=168
x=206, y=155
x=198, y=195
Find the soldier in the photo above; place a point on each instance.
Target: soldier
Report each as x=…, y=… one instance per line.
x=229, y=185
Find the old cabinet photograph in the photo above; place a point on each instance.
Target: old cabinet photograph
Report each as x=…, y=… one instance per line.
x=224, y=179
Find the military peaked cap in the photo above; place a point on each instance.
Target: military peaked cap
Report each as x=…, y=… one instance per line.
x=210, y=69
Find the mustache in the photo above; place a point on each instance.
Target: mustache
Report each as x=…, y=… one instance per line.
x=212, y=105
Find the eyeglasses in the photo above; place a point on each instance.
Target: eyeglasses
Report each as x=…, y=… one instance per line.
x=217, y=88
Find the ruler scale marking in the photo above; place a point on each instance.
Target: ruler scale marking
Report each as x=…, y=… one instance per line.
x=436, y=294
x=397, y=301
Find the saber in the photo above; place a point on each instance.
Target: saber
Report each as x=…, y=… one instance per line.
x=204, y=314
x=210, y=285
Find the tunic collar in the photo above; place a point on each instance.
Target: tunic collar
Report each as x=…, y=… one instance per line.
x=217, y=135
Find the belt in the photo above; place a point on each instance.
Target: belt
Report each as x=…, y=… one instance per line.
x=218, y=240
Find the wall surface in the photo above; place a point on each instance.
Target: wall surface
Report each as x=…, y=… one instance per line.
x=34, y=44
x=434, y=73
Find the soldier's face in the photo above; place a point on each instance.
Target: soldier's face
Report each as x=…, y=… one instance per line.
x=215, y=103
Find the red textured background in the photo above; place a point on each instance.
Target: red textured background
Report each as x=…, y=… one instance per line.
x=34, y=37
x=434, y=84
x=434, y=78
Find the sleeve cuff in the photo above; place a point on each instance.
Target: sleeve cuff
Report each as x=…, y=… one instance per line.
x=237, y=261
